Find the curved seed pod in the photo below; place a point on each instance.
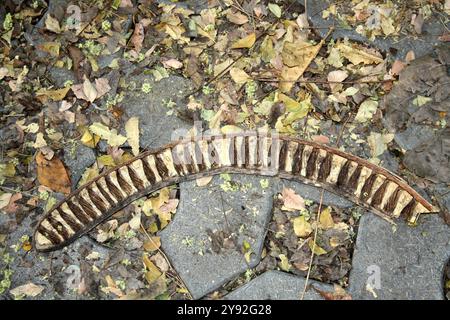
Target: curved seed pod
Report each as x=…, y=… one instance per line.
x=360, y=181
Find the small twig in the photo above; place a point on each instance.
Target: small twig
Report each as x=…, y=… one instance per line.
x=341, y=132
x=314, y=245
x=321, y=81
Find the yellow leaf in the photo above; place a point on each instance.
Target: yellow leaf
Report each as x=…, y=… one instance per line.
x=107, y=160
x=239, y=76
x=230, y=129
x=55, y=95
x=267, y=50
x=51, y=48
x=275, y=9
x=104, y=132
x=297, y=56
x=52, y=24
x=152, y=244
x=302, y=228
x=284, y=264
x=88, y=175
x=357, y=54
x=158, y=201
x=89, y=140
x=132, y=129
x=315, y=248
x=326, y=220
x=152, y=273
x=246, y=42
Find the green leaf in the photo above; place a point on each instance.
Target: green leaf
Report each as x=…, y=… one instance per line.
x=275, y=9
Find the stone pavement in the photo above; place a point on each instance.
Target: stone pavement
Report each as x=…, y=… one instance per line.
x=205, y=240
x=398, y=263
x=277, y=285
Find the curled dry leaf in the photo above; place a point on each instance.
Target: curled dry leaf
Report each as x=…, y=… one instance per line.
x=53, y=174
x=201, y=182
x=56, y=95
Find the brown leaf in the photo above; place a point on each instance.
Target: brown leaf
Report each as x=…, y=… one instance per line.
x=397, y=66
x=237, y=18
x=291, y=200
x=77, y=57
x=321, y=139
x=338, y=294
x=53, y=174
x=12, y=207
x=102, y=86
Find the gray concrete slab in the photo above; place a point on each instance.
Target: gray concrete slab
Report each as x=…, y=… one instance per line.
x=278, y=285
x=405, y=264
x=204, y=241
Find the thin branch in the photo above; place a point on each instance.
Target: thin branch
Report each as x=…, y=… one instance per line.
x=314, y=245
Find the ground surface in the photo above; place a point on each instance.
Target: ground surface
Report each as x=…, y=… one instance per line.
x=86, y=85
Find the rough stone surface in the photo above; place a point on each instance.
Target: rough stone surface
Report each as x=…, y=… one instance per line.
x=277, y=285
x=77, y=161
x=193, y=240
x=156, y=126
x=410, y=260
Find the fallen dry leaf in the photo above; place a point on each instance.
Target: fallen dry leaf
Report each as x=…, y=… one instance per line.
x=201, y=182
x=53, y=174
x=12, y=206
x=152, y=244
x=56, y=95
x=326, y=220
x=52, y=24
x=132, y=130
x=89, y=91
x=297, y=56
x=357, y=54
x=30, y=290
x=302, y=228
x=237, y=17
x=291, y=200
x=246, y=42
